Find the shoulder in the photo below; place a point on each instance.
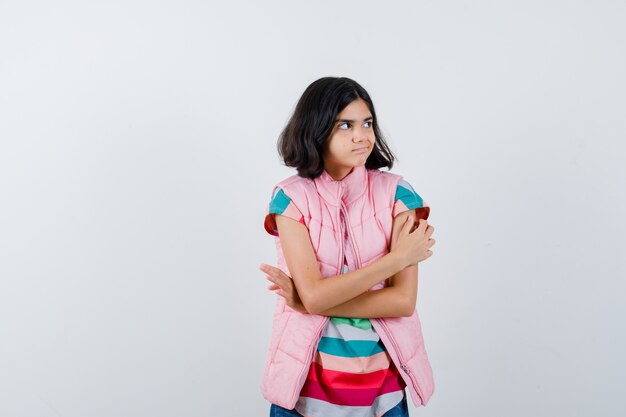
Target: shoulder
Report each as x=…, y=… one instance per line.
x=383, y=182
x=293, y=185
x=282, y=202
x=400, y=185
x=406, y=198
x=404, y=195
x=383, y=175
x=284, y=191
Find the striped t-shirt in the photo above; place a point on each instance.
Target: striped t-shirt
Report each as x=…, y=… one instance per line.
x=351, y=374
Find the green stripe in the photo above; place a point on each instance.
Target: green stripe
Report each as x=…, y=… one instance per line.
x=364, y=324
x=349, y=349
x=409, y=197
x=280, y=202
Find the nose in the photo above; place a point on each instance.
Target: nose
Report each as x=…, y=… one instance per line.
x=360, y=135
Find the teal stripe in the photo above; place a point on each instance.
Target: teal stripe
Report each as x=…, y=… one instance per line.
x=349, y=349
x=409, y=197
x=279, y=203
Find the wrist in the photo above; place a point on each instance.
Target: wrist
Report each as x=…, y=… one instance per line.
x=397, y=261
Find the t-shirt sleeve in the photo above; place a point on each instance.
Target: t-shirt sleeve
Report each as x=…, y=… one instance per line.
x=407, y=199
x=280, y=203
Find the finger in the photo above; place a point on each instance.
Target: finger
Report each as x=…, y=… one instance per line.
x=276, y=286
x=285, y=284
x=277, y=282
x=269, y=269
x=431, y=242
x=408, y=224
x=273, y=271
x=280, y=273
x=275, y=278
x=423, y=224
x=429, y=230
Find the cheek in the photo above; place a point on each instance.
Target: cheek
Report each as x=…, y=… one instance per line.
x=340, y=143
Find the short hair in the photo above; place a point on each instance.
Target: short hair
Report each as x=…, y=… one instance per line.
x=301, y=143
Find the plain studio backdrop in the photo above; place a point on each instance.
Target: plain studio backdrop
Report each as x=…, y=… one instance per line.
x=138, y=156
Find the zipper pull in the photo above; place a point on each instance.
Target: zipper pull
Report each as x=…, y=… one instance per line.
x=405, y=368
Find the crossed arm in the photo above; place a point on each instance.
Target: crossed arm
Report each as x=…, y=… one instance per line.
x=347, y=295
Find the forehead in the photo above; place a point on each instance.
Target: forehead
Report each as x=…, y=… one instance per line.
x=356, y=110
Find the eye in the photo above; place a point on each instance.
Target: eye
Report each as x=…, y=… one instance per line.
x=368, y=124
x=343, y=126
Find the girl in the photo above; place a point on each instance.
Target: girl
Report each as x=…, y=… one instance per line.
x=346, y=338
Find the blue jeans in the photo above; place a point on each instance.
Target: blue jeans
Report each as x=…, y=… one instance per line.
x=400, y=410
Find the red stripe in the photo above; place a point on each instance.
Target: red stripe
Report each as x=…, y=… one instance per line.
x=354, y=396
x=340, y=379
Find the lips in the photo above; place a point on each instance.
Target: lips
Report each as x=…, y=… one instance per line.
x=364, y=148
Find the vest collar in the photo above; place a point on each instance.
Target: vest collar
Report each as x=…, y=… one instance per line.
x=348, y=189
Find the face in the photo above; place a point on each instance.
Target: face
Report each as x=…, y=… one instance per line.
x=351, y=141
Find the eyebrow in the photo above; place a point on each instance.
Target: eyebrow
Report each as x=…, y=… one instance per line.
x=352, y=121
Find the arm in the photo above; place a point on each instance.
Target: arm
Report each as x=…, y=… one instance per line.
x=321, y=295
x=386, y=302
x=396, y=300
x=392, y=301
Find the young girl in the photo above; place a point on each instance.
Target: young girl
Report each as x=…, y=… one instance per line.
x=346, y=338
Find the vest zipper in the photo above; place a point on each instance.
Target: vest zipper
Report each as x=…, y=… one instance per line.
x=357, y=258
x=401, y=365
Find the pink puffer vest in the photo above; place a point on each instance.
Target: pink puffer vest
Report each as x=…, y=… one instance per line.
x=366, y=198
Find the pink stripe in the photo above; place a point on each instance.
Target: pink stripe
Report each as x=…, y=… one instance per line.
x=420, y=212
x=292, y=212
x=359, y=365
x=399, y=207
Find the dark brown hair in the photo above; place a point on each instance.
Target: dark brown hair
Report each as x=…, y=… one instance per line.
x=301, y=143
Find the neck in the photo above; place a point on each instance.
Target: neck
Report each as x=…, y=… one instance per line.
x=340, y=173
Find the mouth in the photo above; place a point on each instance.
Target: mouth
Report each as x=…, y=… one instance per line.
x=362, y=149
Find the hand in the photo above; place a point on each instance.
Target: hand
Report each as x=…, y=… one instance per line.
x=413, y=246
x=282, y=284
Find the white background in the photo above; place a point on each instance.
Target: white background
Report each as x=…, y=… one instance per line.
x=138, y=154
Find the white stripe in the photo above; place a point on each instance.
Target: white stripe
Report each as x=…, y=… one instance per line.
x=347, y=332
x=406, y=185
x=314, y=407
